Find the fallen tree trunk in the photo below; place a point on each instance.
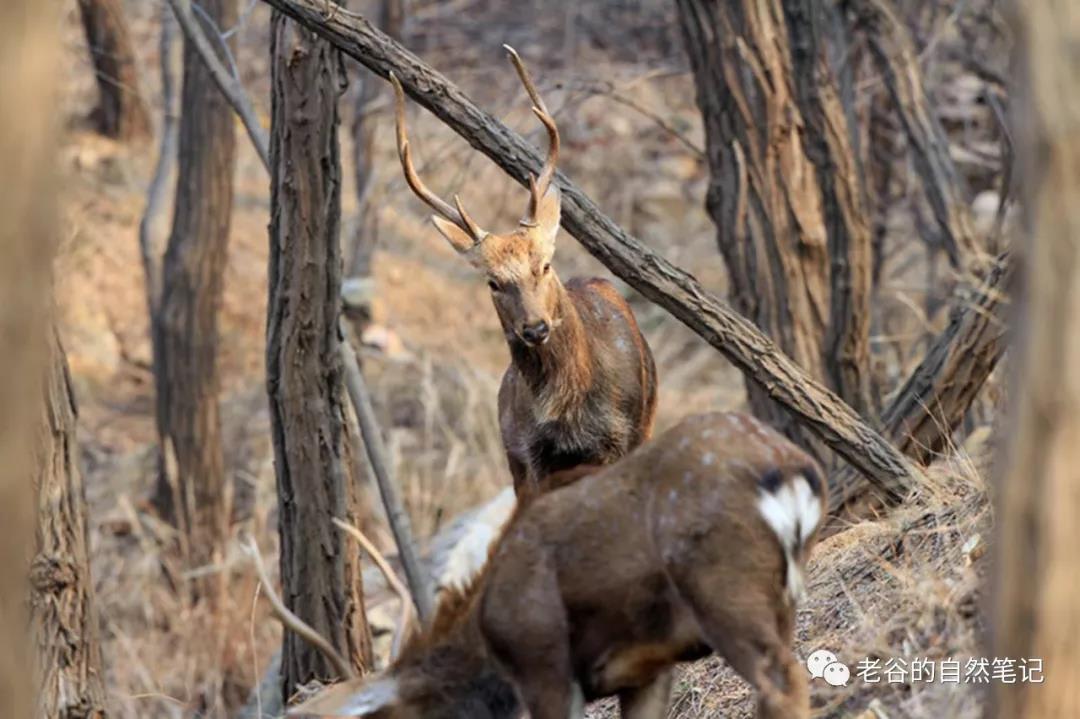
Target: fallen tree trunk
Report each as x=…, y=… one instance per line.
x=825, y=414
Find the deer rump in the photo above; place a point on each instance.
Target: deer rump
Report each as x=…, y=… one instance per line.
x=693, y=543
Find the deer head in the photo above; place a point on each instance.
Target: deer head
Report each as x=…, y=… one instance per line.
x=524, y=288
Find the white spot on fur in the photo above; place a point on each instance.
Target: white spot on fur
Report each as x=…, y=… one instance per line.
x=708, y=459
x=792, y=512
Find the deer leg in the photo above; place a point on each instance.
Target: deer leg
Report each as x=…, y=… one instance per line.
x=649, y=701
x=755, y=641
x=525, y=626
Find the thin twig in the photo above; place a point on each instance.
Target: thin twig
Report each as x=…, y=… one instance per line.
x=228, y=83
x=606, y=89
x=395, y=511
x=294, y=623
x=392, y=580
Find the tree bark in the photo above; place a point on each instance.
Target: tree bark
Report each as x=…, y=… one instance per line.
x=828, y=143
x=320, y=571
x=186, y=338
x=1036, y=613
x=762, y=196
x=121, y=112
x=29, y=73
x=673, y=289
x=65, y=621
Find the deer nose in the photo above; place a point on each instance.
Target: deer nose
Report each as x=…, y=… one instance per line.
x=536, y=332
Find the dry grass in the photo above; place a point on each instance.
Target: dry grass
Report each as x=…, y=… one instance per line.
x=897, y=587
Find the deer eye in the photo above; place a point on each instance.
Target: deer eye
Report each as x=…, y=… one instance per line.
x=494, y=286
x=547, y=267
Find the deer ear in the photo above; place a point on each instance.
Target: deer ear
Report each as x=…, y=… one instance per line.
x=461, y=240
x=364, y=697
x=548, y=214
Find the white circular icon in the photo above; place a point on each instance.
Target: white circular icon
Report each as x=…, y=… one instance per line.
x=817, y=662
x=837, y=674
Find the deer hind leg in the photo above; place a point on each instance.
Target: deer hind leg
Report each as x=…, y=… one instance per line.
x=753, y=639
x=525, y=626
x=649, y=701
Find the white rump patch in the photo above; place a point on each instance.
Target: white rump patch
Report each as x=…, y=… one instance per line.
x=792, y=512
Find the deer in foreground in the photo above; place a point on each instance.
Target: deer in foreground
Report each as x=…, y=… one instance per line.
x=581, y=386
x=694, y=543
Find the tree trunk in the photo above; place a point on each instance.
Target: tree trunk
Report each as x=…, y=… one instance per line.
x=1035, y=593
x=829, y=145
x=121, y=112
x=29, y=74
x=320, y=571
x=65, y=621
x=784, y=192
x=186, y=337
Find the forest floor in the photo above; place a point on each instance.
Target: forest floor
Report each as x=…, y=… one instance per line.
x=903, y=587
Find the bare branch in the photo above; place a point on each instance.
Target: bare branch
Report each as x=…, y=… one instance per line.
x=940, y=390
x=894, y=54
x=227, y=82
x=395, y=511
x=391, y=578
x=152, y=239
x=294, y=623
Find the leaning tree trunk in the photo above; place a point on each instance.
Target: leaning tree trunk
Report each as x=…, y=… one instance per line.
x=784, y=191
x=320, y=570
x=68, y=656
x=29, y=73
x=1035, y=594
x=121, y=112
x=186, y=333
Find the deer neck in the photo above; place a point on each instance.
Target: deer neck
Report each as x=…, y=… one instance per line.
x=559, y=372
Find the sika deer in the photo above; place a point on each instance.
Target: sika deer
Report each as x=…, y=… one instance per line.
x=691, y=544
x=581, y=386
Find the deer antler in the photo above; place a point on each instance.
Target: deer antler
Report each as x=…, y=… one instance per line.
x=538, y=187
x=458, y=216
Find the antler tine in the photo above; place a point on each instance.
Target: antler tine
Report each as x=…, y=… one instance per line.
x=540, y=187
x=459, y=217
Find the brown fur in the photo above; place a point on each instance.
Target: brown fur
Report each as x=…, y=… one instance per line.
x=607, y=580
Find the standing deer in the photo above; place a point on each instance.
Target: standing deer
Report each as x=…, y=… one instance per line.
x=694, y=543
x=581, y=386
